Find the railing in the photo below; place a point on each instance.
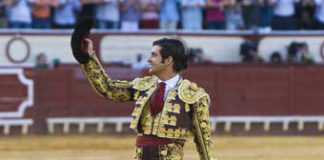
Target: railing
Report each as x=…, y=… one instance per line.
x=23, y=123
x=228, y=120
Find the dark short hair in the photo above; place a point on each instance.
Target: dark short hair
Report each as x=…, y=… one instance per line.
x=174, y=48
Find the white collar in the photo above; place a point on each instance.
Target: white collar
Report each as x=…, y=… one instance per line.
x=171, y=82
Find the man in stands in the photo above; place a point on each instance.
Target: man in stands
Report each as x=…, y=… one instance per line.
x=19, y=13
x=167, y=106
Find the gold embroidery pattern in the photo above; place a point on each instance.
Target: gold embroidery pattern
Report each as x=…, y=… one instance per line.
x=201, y=129
x=189, y=92
x=165, y=123
x=173, y=108
x=144, y=83
x=171, y=152
x=115, y=90
x=179, y=133
x=139, y=106
x=172, y=94
x=138, y=153
x=169, y=120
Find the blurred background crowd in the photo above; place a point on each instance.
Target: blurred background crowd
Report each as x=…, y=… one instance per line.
x=132, y=15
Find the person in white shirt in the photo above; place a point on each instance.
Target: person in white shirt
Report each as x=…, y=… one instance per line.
x=192, y=16
x=107, y=14
x=64, y=15
x=284, y=15
x=319, y=14
x=19, y=13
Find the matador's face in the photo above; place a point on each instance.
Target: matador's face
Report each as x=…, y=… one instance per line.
x=155, y=61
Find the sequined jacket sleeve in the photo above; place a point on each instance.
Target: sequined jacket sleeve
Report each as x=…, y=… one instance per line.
x=115, y=90
x=201, y=129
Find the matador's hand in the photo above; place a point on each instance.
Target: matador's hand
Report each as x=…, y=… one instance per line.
x=89, y=46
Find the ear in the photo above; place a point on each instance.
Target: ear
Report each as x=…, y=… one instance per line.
x=168, y=60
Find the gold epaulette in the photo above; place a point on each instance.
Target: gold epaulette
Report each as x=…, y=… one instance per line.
x=144, y=83
x=190, y=93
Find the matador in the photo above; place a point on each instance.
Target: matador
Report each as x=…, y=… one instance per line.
x=167, y=107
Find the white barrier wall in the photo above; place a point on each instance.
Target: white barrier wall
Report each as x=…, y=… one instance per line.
x=124, y=48
x=22, y=49
x=29, y=46
x=268, y=45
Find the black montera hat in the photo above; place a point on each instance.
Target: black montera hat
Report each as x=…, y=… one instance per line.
x=81, y=31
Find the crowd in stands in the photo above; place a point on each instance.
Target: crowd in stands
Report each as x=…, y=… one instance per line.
x=131, y=15
x=297, y=53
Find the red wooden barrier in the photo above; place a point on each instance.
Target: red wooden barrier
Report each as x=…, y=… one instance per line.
x=235, y=90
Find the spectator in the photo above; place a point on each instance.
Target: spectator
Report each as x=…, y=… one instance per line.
x=64, y=13
x=319, y=14
x=293, y=56
x=284, y=15
x=234, y=19
x=215, y=15
x=150, y=14
x=169, y=14
x=306, y=56
x=298, y=53
x=275, y=58
x=251, y=10
x=41, y=61
x=3, y=15
x=140, y=62
x=196, y=55
x=266, y=15
x=249, y=53
x=107, y=14
x=41, y=13
x=131, y=14
x=305, y=13
x=19, y=13
x=192, y=17
x=56, y=62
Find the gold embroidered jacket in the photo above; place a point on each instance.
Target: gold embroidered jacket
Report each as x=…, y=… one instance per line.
x=186, y=107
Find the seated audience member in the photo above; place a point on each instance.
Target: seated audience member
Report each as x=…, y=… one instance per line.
x=19, y=13
x=56, y=62
x=197, y=55
x=298, y=53
x=140, y=62
x=276, y=58
x=150, y=14
x=249, y=53
x=41, y=61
